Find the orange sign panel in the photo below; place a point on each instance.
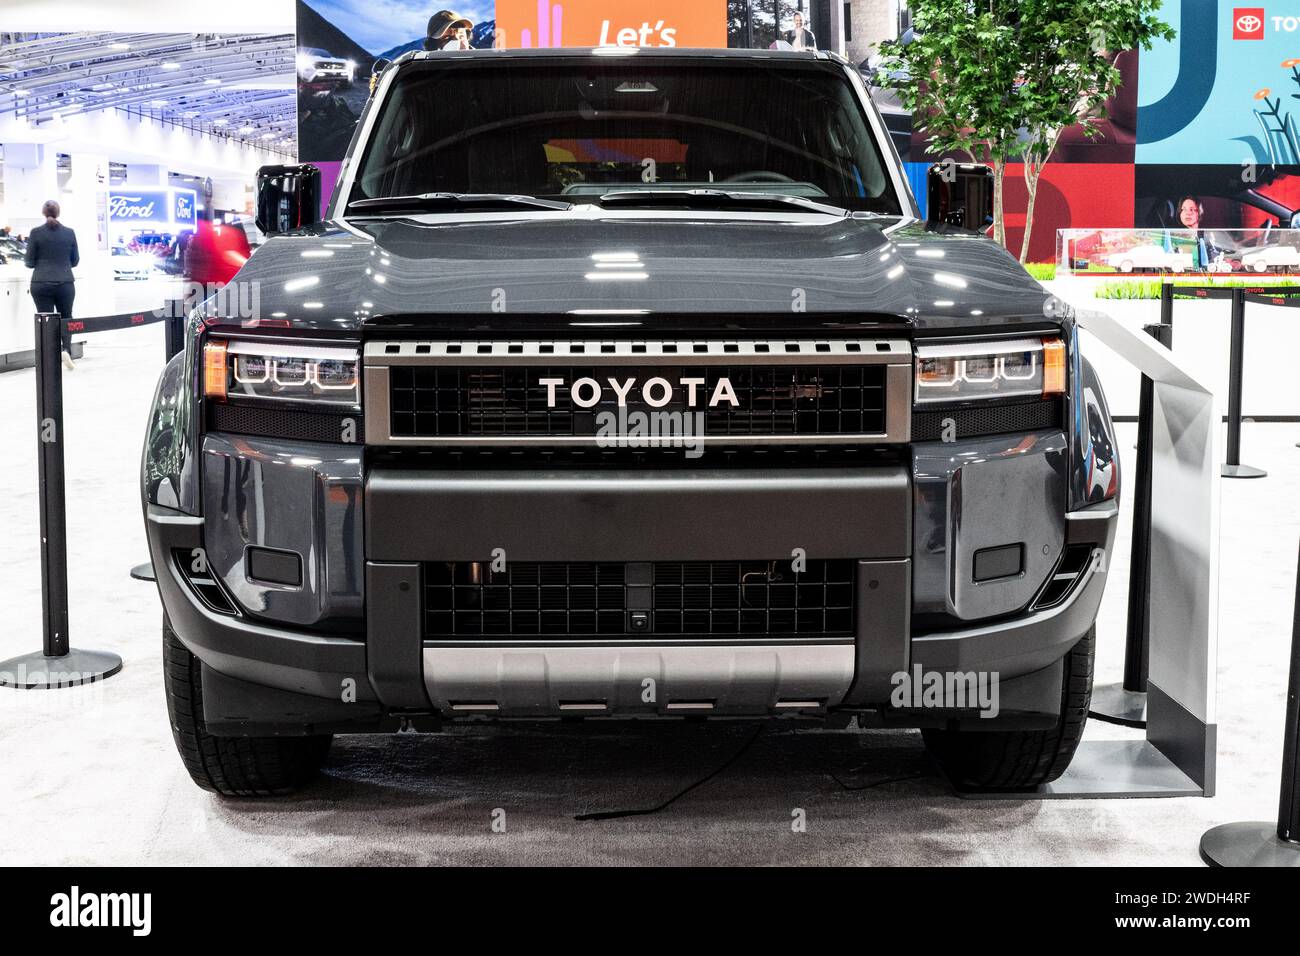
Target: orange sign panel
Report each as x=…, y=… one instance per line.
x=628, y=23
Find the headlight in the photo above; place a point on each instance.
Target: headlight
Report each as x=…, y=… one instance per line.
x=280, y=372
x=1011, y=368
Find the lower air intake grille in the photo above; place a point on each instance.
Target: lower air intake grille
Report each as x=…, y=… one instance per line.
x=286, y=423
x=1075, y=560
x=636, y=601
x=989, y=419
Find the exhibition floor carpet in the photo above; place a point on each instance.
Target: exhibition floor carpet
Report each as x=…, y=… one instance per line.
x=89, y=775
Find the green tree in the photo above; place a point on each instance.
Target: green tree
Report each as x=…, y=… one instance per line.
x=1000, y=80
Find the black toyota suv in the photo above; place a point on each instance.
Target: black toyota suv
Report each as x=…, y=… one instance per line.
x=626, y=384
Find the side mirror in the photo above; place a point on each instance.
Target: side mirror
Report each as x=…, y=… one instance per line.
x=959, y=194
x=288, y=197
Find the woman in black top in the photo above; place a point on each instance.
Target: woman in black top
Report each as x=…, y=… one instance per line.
x=52, y=252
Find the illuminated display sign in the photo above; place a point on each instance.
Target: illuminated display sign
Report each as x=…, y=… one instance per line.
x=154, y=208
x=629, y=23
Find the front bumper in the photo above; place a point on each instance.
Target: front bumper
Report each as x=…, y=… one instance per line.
x=349, y=649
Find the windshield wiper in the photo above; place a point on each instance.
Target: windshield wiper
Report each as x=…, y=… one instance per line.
x=422, y=202
x=714, y=199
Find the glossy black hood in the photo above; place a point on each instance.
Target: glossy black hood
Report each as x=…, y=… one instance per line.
x=506, y=272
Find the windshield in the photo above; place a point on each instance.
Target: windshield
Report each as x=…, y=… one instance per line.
x=574, y=132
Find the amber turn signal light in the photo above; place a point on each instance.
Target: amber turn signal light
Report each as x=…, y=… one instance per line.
x=214, y=370
x=1053, y=367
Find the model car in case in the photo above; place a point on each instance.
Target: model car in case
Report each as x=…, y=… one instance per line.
x=1150, y=257
x=1272, y=257
x=626, y=385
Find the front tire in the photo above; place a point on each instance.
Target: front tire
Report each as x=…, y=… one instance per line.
x=230, y=766
x=1016, y=760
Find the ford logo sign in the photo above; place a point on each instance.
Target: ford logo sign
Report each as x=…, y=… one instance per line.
x=131, y=207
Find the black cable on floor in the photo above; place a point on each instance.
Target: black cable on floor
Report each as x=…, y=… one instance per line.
x=877, y=783
x=646, y=811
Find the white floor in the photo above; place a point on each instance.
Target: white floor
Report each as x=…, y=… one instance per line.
x=89, y=775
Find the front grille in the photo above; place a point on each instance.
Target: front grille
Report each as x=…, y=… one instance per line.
x=638, y=394
x=794, y=400
x=638, y=601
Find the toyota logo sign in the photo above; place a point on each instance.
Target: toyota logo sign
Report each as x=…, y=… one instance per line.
x=1248, y=23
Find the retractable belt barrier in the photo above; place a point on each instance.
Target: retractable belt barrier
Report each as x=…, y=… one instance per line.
x=58, y=664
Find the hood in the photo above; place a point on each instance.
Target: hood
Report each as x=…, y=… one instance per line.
x=494, y=271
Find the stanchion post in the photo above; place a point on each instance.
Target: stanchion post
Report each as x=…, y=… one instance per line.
x=1236, y=358
x=49, y=469
x=1233, y=468
x=1288, y=813
x=57, y=664
x=173, y=331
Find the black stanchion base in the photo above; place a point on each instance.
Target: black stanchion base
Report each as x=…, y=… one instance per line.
x=1248, y=844
x=36, y=671
x=1117, y=705
x=1243, y=471
x=143, y=572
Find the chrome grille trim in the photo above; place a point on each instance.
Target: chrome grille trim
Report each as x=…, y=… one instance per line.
x=633, y=352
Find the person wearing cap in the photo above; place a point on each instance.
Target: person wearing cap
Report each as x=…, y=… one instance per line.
x=448, y=31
